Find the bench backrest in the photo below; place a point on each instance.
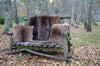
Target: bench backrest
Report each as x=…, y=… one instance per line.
x=42, y=25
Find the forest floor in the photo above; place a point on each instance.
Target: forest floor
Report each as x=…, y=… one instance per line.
x=86, y=51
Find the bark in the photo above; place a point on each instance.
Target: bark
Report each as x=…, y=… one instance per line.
x=89, y=16
x=54, y=3
x=94, y=12
x=28, y=9
x=46, y=6
x=72, y=14
x=65, y=9
x=8, y=14
x=27, y=4
x=37, y=7
x=7, y=23
x=16, y=16
x=85, y=16
x=78, y=14
x=94, y=18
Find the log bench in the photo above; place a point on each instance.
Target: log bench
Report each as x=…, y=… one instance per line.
x=25, y=46
x=44, y=44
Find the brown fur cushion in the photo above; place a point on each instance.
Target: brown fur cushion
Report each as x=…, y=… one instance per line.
x=27, y=33
x=17, y=36
x=55, y=33
x=22, y=33
x=54, y=19
x=42, y=25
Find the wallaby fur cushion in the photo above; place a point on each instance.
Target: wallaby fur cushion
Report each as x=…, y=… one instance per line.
x=42, y=25
x=33, y=21
x=22, y=33
x=27, y=34
x=17, y=34
x=55, y=33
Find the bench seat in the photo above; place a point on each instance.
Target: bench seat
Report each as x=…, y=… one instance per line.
x=43, y=44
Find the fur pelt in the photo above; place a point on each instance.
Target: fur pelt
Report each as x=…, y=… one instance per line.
x=27, y=33
x=42, y=25
x=22, y=33
x=55, y=33
x=33, y=21
x=17, y=36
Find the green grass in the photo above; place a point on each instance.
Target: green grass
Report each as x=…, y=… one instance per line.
x=20, y=23
x=91, y=38
x=81, y=37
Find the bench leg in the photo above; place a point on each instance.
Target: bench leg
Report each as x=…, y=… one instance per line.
x=71, y=51
x=65, y=44
x=10, y=44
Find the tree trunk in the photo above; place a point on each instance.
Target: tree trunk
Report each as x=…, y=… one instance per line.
x=65, y=9
x=27, y=4
x=8, y=19
x=94, y=11
x=89, y=16
x=31, y=8
x=85, y=13
x=37, y=7
x=78, y=14
x=16, y=16
x=10, y=13
x=7, y=23
x=72, y=14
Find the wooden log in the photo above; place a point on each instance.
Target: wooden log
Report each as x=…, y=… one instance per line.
x=9, y=33
x=10, y=44
x=58, y=46
x=65, y=32
x=36, y=44
x=52, y=45
x=65, y=17
x=61, y=17
x=65, y=45
x=69, y=43
x=69, y=54
x=36, y=41
x=33, y=48
x=41, y=54
x=30, y=45
x=25, y=19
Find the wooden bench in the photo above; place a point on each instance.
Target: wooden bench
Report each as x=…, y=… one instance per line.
x=30, y=46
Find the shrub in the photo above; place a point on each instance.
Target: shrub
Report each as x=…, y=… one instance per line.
x=2, y=19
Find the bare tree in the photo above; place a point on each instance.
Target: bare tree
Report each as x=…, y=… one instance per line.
x=10, y=13
x=37, y=7
x=6, y=27
x=78, y=18
x=76, y=9
x=8, y=19
x=72, y=13
x=84, y=13
x=89, y=16
x=65, y=8
x=27, y=4
x=16, y=16
x=94, y=11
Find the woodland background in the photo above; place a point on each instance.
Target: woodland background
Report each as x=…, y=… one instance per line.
x=84, y=22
